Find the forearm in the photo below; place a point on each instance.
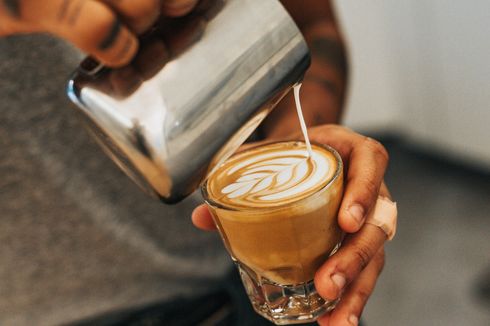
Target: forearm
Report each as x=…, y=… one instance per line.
x=324, y=84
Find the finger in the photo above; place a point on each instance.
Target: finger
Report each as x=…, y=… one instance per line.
x=177, y=8
x=201, y=217
x=366, y=160
x=345, y=265
x=339, y=137
x=138, y=15
x=367, y=165
x=348, y=311
x=90, y=25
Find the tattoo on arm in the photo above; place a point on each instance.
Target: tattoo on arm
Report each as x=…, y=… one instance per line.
x=63, y=10
x=13, y=7
x=75, y=12
x=70, y=10
x=318, y=119
x=331, y=52
x=324, y=82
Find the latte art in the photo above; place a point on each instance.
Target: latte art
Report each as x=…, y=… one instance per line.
x=286, y=174
x=275, y=207
x=272, y=175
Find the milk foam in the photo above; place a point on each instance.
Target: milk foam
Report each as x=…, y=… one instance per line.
x=276, y=176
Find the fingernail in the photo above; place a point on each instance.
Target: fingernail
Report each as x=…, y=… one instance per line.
x=339, y=281
x=357, y=213
x=353, y=320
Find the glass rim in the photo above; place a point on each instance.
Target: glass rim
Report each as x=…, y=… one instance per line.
x=338, y=171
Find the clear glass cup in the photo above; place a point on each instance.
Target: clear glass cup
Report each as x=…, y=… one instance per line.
x=278, y=249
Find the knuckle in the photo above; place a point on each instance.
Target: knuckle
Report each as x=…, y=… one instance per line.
x=371, y=187
x=378, y=149
x=362, y=256
x=380, y=260
x=363, y=295
x=341, y=131
x=342, y=128
x=383, y=152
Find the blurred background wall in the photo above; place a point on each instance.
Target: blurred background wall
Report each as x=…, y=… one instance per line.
x=420, y=83
x=421, y=70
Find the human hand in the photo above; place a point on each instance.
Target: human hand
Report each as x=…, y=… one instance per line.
x=105, y=29
x=352, y=272
x=168, y=38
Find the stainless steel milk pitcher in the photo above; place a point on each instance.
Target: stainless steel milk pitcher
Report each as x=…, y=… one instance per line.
x=199, y=86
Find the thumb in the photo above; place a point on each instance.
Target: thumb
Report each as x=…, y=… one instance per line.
x=202, y=218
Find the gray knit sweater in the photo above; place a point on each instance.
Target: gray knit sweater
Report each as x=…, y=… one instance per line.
x=77, y=237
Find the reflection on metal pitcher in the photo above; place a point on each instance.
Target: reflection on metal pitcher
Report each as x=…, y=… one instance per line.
x=197, y=89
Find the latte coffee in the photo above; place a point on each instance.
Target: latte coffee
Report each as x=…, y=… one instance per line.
x=276, y=209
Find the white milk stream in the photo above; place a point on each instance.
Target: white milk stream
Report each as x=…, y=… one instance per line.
x=278, y=175
x=301, y=119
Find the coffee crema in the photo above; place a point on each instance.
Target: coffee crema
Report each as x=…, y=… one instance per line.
x=272, y=175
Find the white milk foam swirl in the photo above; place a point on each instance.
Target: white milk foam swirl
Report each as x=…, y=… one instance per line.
x=277, y=175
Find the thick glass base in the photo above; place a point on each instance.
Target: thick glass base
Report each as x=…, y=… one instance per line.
x=284, y=304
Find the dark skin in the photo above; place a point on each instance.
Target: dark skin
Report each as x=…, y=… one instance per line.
x=327, y=76
x=108, y=29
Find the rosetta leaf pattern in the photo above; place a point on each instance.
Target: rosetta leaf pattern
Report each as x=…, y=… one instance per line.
x=267, y=175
